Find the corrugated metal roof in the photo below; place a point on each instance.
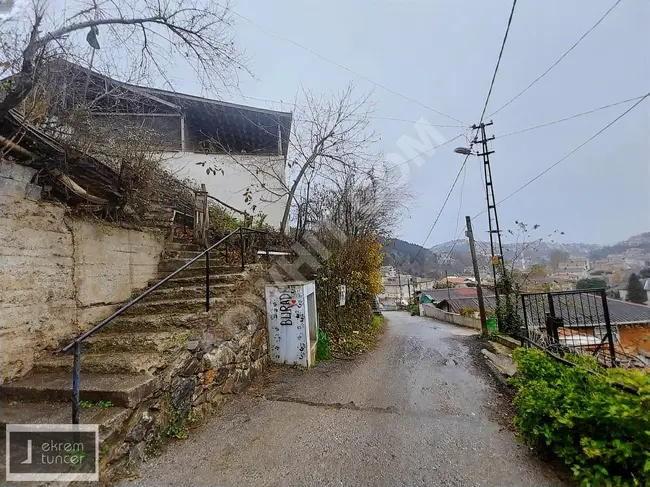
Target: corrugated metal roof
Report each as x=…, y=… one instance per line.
x=456, y=304
x=584, y=309
x=459, y=292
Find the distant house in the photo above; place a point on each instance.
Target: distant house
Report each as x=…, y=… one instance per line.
x=455, y=281
x=388, y=271
x=575, y=267
x=622, y=290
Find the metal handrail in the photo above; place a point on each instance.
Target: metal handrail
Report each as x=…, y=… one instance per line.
x=76, y=343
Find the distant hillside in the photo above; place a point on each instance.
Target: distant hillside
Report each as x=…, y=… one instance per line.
x=537, y=251
x=641, y=241
x=411, y=258
x=541, y=249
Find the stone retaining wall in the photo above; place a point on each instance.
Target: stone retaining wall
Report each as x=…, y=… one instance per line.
x=201, y=372
x=59, y=274
x=191, y=389
x=432, y=312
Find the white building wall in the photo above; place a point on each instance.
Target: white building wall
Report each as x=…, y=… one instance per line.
x=230, y=187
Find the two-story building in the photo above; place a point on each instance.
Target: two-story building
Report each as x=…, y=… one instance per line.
x=239, y=152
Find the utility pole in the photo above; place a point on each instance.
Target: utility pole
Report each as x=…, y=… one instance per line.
x=493, y=218
x=399, y=283
x=447, y=278
x=477, y=276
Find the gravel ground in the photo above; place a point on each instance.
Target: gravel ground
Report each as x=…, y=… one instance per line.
x=418, y=410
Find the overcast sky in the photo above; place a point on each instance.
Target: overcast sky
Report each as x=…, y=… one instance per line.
x=442, y=54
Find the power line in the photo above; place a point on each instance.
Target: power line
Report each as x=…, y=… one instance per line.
x=415, y=122
x=487, y=100
x=428, y=150
x=460, y=207
x=559, y=60
x=572, y=152
x=373, y=117
x=443, y=206
x=496, y=69
x=454, y=244
x=570, y=118
x=320, y=56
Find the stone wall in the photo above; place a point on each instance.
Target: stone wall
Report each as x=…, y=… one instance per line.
x=432, y=312
x=204, y=369
x=59, y=274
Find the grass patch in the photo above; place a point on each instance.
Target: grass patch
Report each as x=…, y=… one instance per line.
x=357, y=337
x=98, y=404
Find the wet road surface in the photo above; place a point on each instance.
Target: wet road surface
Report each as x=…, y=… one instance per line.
x=416, y=411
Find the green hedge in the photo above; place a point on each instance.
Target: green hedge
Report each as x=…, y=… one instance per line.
x=600, y=431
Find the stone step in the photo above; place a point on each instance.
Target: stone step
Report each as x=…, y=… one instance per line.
x=123, y=390
x=189, y=292
x=182, y=240
x=182, y=255
x=200, y=271
x=137, y=341
x=184, y=246
x=199, y=279
x=171, y=306
x=167, y=266
x=164, y=322
x=110, y=419
x=115, y=362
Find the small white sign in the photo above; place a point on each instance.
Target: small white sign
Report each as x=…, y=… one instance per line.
x=342, y=294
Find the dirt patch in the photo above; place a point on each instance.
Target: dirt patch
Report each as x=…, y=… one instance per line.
x=501, y=408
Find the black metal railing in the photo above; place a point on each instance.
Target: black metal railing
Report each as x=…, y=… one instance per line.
x=244, y=241
x=570, y=321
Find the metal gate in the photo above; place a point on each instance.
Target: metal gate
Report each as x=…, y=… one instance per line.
x=570, y=322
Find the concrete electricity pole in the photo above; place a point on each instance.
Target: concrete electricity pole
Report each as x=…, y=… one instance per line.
x=399, y=283
x=477, y=276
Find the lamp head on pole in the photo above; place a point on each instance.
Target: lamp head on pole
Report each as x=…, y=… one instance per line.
x=466, y=151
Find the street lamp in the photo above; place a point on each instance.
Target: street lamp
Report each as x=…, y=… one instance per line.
x=466, y=151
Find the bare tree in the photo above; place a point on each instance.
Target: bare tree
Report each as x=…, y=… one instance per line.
x=359, y=203
x=151, y=36
x=331, y=137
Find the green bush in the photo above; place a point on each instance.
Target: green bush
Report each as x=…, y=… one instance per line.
x=323, y=346
x=600, y=431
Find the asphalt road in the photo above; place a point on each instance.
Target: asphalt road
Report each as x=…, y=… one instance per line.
x=418, y=410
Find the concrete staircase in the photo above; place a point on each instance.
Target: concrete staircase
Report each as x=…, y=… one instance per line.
x=133, y=369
